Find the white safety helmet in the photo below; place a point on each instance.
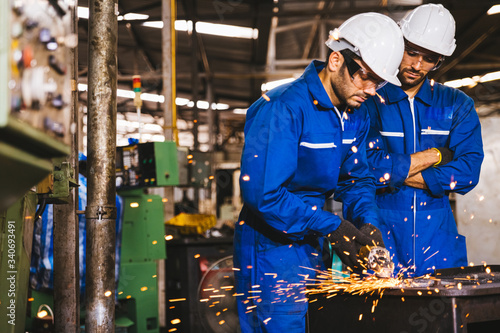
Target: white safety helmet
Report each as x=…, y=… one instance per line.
x=432, y=27
x=375, y=38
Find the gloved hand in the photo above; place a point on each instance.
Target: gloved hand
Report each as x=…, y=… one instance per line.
x=373, y=232
x=446, y=155
x=377, y=241
x=347, y=241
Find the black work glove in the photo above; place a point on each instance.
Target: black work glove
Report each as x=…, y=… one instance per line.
x=377, y=241
x=373, y=232
x=446, y=155
x=348, y=240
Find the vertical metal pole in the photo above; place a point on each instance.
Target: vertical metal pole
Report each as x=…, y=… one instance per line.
x=210, y=115
x=271, y=53
x=195, y=49
x=322, y=38
x=168, y=69
x=212, y=190
x=170, y=128
x=194, y=85
x=66, y=231
x=101, y=209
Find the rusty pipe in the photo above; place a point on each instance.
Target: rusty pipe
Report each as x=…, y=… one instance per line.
x=101, y=148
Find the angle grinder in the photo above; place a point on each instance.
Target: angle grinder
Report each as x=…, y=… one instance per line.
x=378, y=259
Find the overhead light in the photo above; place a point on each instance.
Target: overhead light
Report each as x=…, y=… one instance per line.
x=493, y=10
x=465, y=82
x=83, y=13
x=224, y=30
x=132, y=17
x=240, y=111
x=490, y=77
x=220, y=106
x=472, y=81
x=181, y=25
x=161, y=99
x=155, y=24
x=273, y=84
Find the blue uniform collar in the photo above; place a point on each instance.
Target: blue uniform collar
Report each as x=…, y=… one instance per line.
x=315, y=85
x=393, y=94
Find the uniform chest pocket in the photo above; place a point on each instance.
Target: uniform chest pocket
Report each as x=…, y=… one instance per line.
x=317, y=156
x=435, y=134
x=317, y=144
x=349, y=137
x=436, y=127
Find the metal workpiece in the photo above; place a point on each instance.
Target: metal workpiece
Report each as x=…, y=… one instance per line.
x=464, y=299
x=100, y=278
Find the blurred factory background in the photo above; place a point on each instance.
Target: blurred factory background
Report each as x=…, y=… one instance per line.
x=186, y=72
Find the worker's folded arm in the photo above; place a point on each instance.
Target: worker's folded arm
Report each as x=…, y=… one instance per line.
x=389, y=169
x=461, y=174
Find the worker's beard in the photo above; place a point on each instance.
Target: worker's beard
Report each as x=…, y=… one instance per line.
x=411, y=78
x=348, y=94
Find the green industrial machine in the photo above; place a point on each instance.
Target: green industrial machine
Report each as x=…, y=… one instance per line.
x=35, y=115
x=35, y=93
x=16, y=225
x=150, y=164
x=141, y=166
x=143, y=242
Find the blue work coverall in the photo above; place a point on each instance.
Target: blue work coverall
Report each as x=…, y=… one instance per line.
x=418, y=224
x=299, y=150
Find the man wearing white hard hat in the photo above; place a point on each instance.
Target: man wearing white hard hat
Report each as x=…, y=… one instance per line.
x=303, y=143
x=424, y=143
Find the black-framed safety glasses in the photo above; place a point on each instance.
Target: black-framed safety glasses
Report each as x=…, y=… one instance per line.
x=361, y=78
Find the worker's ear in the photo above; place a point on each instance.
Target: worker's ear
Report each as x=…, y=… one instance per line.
x=335, y=61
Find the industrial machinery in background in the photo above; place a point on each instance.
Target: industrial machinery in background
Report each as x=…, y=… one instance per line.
x=149, y=164
x=35, y=129
x=199, y=252
x=143, y=243
x=35, y=92
x=195, y=267
x=220, y=313
x=139, y=167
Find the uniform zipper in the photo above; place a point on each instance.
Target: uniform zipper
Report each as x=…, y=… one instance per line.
x=411, y=100
x=340, y=117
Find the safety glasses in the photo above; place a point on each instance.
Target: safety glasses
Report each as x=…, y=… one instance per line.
x=361, y=78
x=429, y=61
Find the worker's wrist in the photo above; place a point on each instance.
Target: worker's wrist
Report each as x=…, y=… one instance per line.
x=439, y=155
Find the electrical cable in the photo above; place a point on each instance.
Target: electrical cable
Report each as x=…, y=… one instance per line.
x=41, y=209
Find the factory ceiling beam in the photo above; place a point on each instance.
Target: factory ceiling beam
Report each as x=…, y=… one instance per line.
x=140, y=47
x=326, y=7
x=155, y=5
x=261, y=75
x=262, y=22
x=300, y=13
x=478, y=66
x=474, y=36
